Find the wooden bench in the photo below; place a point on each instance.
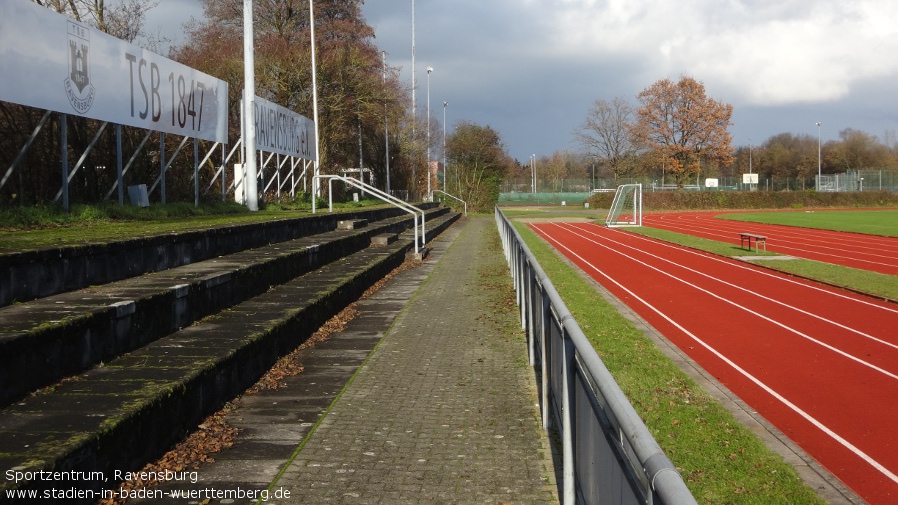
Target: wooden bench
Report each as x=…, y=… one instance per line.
x=747, y=237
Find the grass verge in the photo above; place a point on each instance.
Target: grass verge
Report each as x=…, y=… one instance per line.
x=721, y=460
x=855, y=279
x=883, y=222
x=38, y=227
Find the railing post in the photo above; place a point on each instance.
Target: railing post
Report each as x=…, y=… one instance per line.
x=567, y=419
x=545, y=318
x=531, y=317
x=522, y=296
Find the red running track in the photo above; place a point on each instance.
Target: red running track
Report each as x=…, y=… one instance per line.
x=819, y=363
x=869, y=252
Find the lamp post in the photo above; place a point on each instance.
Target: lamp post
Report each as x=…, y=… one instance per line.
x=532, y=180
x=251, y=190
x=749, y=155
x=818, y=156
x=533, y=173
x=429, y=193
x=592, y=180
x=414, y=104
x=749, y=160
x=386, y=123
x=445, y=171
x=317, y=166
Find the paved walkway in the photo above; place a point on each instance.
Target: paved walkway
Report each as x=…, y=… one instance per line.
x=419, y=400
x=443, y=411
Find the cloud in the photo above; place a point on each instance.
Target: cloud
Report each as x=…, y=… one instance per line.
x=168, y=17
x=754, y=52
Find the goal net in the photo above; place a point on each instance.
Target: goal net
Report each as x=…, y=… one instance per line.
x=626, y=208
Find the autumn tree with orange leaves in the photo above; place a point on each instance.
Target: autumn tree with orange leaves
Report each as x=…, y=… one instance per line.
x=684, y=127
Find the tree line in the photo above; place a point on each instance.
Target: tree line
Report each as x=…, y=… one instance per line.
x=675, y=134
x=363, y=107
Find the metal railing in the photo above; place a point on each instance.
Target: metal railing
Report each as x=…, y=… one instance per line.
x=454, y=197
x=608, y=454
x=376, y=193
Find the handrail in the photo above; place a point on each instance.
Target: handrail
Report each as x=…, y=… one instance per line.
x=376, y=192
x=594, y=417
x=452, y=196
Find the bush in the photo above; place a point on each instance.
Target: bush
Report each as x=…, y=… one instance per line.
x=738, y=200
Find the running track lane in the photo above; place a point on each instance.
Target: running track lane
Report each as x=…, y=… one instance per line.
x=868, y=252
x=819, y=363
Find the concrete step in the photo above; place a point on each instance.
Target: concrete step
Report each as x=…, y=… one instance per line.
x=44, y=340
x=130, y=410
x=384, y=239
x=352, y=224
x=27, y=275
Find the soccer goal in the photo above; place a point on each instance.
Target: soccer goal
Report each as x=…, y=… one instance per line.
x=626, y=208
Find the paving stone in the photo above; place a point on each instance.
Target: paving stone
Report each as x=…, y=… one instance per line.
x=442, y=411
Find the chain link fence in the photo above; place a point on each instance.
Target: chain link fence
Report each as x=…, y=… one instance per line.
x=576, y=191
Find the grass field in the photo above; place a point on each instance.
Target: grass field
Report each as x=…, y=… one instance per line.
x=882, y=222
x=721, y=460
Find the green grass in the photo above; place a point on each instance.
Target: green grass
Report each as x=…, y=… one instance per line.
x=864, y=281
x=40, y=227
x=873, y=222
x=856, y=279
x=553, y=212
x=712, y=246
x=721, y=460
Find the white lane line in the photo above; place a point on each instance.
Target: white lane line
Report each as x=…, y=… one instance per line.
x=736, y=286
x=754, y=313
x=784, y=246
x=795, y=408
x=712, y=257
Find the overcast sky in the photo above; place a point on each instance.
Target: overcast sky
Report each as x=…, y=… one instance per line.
x=531, y=69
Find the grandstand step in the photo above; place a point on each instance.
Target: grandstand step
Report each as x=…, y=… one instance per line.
x=130, y=410
x=384, y=239
x=352, y=224
x=43, y=340
x=419, y=255
x=31, y=274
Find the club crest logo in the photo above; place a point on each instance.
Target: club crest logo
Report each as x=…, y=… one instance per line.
x=78, y=87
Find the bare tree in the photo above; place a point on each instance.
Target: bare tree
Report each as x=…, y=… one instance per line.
x=123, y=19
x=606, y=136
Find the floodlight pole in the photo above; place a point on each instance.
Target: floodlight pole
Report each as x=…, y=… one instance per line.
x=427, y=161
x=414, y=104
x=249, y=114
x=749, y=155
x=749, y=162
x=445, y=175
x=533, y=170
x=386, y=122
x=317, y=169
x=818, y=156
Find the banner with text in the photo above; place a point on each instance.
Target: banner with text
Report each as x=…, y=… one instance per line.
x=282, y=131
x=52, y=62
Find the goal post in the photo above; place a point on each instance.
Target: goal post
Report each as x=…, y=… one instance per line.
x=626, y=208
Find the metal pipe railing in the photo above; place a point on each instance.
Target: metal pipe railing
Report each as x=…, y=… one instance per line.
x=454, y=197
x=378, y=194
x=598, y=425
